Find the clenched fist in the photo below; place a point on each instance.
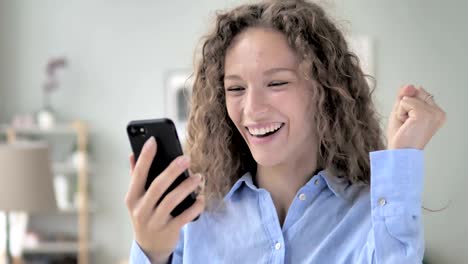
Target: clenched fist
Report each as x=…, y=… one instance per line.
x=415, y=118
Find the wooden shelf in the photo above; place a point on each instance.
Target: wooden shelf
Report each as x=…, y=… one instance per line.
x=57, y=129
x=92, y=208
x=54, y=248
x=79, y=130
x=64, y=168
x=74, y=210
x=68, y=168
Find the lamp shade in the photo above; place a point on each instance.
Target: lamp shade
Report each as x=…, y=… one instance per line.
x=26, y=179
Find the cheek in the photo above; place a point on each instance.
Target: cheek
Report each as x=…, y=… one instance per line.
x=302, y=113
x=233, y=110
x=307, y=120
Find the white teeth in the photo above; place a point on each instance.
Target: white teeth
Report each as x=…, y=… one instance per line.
x=264, y=130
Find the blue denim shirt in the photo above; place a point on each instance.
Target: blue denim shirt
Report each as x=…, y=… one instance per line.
x=329, y=221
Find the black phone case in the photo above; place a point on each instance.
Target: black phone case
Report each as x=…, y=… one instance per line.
x=168, y=148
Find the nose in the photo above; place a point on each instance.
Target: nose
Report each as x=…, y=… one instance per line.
x=255, y=102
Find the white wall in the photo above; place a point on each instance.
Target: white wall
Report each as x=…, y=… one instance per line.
x=424, y=42
x=120, y=50
x=4, y=18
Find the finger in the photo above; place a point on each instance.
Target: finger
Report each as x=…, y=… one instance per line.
x=413, y=106
x=163, y=181
x=140, y=172
x=132, y=162
x=189, y=214
x=406, y=90
x=425, y=96
x=174, y=198
x=435, y=111
x=128, y=201
x=416, y=109
x=401, y=113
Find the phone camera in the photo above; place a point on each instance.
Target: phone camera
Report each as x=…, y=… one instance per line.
x=137, y=131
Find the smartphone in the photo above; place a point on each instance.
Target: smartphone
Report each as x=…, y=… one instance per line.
x=168, y=148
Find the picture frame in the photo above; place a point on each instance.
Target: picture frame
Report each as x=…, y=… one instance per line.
x=178, y=90
x=363, y=47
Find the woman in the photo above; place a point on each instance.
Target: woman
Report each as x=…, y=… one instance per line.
x=283, y=129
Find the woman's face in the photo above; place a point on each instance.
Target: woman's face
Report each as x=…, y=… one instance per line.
x=267, y=99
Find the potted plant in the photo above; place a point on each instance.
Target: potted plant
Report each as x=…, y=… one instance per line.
x=46, y=117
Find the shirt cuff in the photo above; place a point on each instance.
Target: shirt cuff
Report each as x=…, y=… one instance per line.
x=137, y=256
x=396, y=182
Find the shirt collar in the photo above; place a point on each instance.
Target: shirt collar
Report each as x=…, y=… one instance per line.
x=247, y=179
x=337, y=184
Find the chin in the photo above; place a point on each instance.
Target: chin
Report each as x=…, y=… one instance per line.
x=266, y=159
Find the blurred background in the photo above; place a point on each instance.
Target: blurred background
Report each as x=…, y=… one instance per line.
x=105, y=63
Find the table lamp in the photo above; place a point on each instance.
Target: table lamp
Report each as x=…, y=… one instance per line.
x=26, y=181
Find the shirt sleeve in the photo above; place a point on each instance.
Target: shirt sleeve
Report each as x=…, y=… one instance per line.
x=137, y=256
x=396, y=190
x=178, y=254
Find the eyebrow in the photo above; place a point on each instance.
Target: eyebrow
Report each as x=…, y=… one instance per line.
x=267, y=72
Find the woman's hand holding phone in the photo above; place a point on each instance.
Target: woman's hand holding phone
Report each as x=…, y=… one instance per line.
x=156, y=231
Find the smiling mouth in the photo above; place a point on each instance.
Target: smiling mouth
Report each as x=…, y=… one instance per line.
x=261, y=133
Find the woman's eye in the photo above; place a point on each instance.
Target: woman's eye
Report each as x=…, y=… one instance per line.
x=234, y=89
x=277, y=83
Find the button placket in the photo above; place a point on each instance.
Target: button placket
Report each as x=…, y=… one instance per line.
x=271, y=223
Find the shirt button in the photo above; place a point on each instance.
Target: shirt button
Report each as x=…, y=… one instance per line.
x=302, y=197
x=278, y=246
x=382, y=202
x=317, y=181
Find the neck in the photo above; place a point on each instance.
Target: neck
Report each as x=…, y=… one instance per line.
x=283, y=181
x=285, y=178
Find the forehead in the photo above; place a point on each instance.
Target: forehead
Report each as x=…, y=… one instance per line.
x=260, y=48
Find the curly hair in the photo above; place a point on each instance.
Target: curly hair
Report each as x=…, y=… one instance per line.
x=347, y=124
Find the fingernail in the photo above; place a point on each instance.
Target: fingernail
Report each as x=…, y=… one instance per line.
x=183, y=161
x=150, y=142
x=199, y=176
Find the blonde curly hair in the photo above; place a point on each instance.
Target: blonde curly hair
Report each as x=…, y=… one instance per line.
x=347, y=124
